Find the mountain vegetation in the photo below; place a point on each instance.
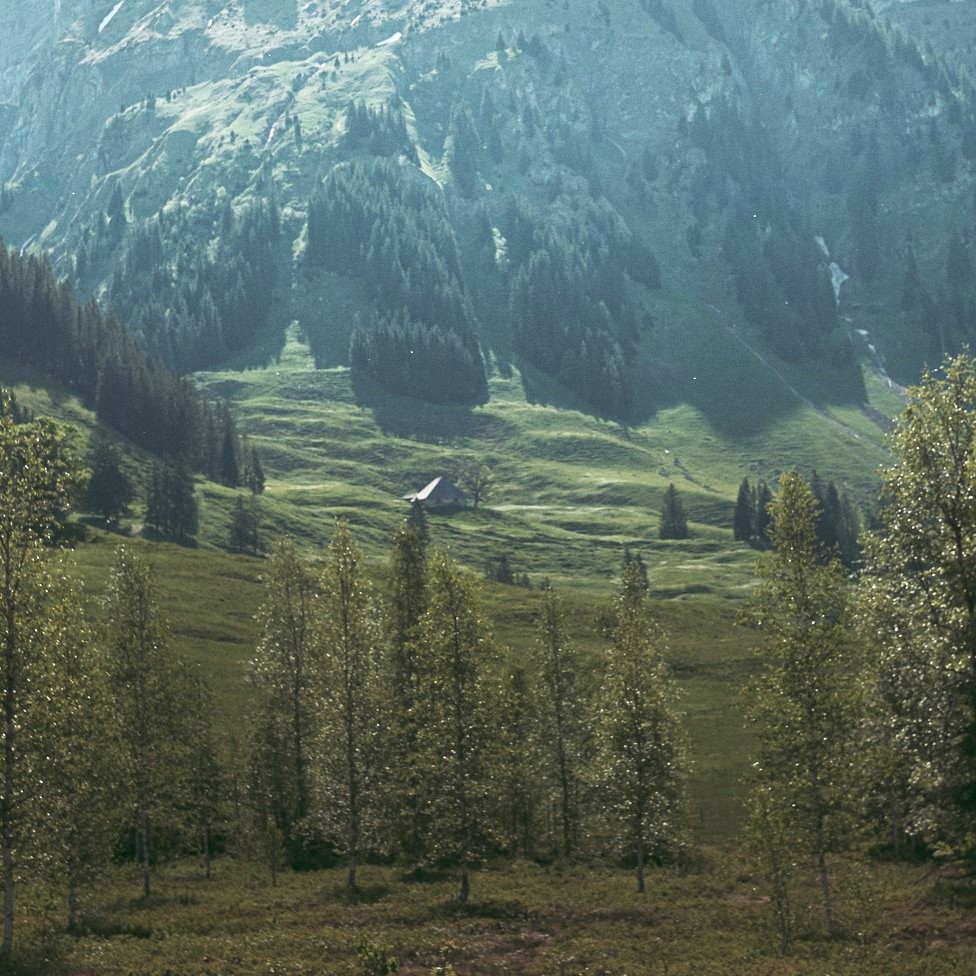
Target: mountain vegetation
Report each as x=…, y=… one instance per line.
x=651, y=281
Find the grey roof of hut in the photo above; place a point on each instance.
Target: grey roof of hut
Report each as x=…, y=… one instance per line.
x=439, y=490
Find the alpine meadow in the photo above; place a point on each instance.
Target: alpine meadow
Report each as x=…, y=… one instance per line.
x=487, y=487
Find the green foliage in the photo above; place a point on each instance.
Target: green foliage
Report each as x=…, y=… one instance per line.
x=477, y=479
x=283, y=672
x=171, y=506
x=463, y=148
x=89, y=351
x=348, y=688
x=379, y=132
x=918, y=605
x=379, y=221
x=674, y=522
x=195, y=302
x=568, y=300
x=462, y=720
x=805, y=706
x=38, y=473
x=146, y=686
x=404, y=675
x=564, y=706
x=75, y=813
x=641, y=760
x=109, y=489
x=244, y=534
x=376, y=960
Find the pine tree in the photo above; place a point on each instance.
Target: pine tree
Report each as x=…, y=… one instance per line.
x=244, y=533
x=109, y=489
x=116, y=212
x=417, y=520
x=462, y=149
x=674, y=524
x=743, y=519
x=256, y=480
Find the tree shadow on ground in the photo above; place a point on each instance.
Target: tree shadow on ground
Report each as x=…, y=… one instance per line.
x=401, y=416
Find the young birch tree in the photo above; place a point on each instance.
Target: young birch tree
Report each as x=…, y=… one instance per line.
x=37, y=475
x=563, y=717
x=804, y=707
x=145, y=679
x=77, y=817
x=349, y=687
x=641, y=757
x=457, y=736
x=283, y=671
x=917, y=605
x=408, y=601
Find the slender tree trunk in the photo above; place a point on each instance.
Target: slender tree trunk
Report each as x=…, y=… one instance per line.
x=300, y=786
x=9, y=761
x=640, y=862
x=146, y=859
x=72, y=903
x=353, y=818
x=824, y=879
x=564, y=787
x=206, y=850
x=464, y=888
x=818, y=804
x=274, y=861
x=461, y=767
x=8, y=892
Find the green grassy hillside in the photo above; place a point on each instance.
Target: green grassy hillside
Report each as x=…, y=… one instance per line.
x=572, y=490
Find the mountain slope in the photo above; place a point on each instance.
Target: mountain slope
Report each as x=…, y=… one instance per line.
x=625, y=190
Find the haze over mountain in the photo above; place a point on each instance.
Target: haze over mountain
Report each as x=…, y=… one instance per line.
x=596, y=192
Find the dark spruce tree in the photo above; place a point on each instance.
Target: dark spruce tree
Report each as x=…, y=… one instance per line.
x=171, y=506
x=674, y=523
x=244, y=532
x=744, y=516
x=109, y=489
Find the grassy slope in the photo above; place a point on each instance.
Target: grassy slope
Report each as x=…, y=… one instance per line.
x=573, y=490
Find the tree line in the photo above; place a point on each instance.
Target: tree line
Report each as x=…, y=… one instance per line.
x=90, y=352
x=838, y=526
x=421, y=739
x=194, y=302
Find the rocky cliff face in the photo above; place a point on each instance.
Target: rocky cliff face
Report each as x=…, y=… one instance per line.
x=844, y=138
